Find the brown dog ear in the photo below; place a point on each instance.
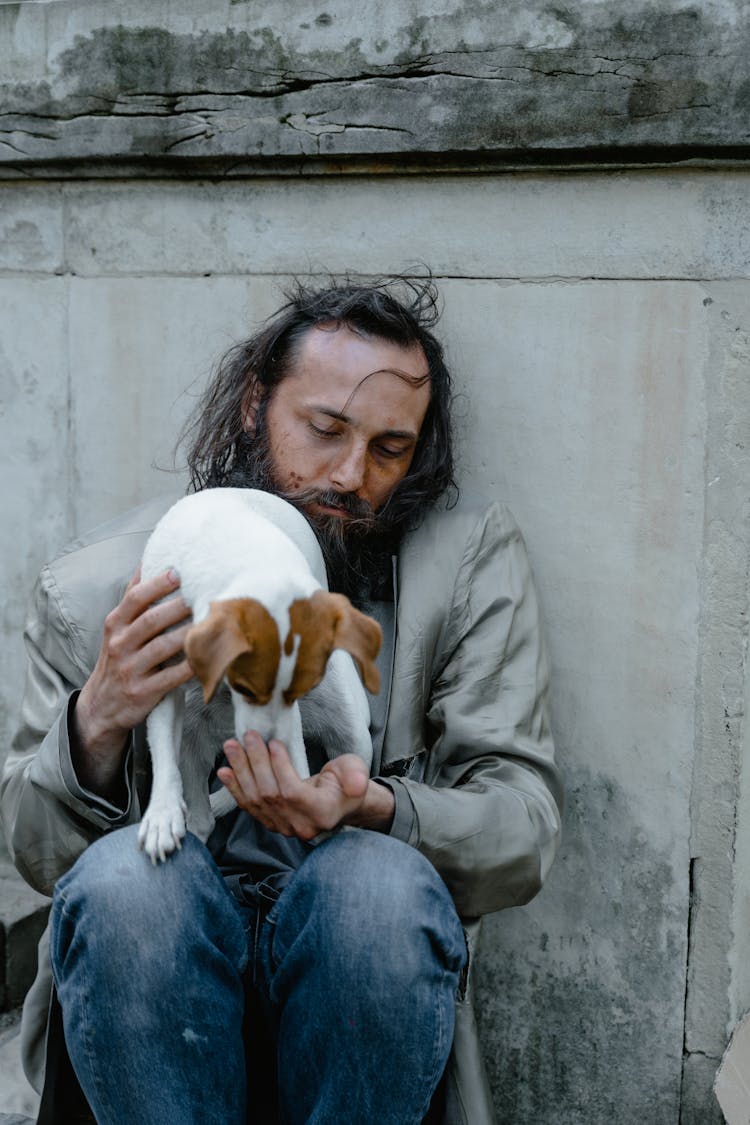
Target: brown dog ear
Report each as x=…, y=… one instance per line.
x=238, y=638
x=213, y=644
x=324, y=622
x=255, y=670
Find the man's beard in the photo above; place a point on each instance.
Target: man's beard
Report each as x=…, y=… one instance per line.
x=357, y=547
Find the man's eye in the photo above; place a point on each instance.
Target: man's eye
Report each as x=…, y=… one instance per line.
x=322, y=433
x=386, y=451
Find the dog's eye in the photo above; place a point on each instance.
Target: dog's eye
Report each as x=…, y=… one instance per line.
x=249, y=695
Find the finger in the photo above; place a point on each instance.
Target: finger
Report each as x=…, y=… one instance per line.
x=167, y=679
x=237, y=758
x=170, y=612
x=144, y=692
x=157, y=620
x=259, y=761
x=305, y=813
x=238, y=779
x=350, y=773
x=286, y=776
x=139, y=596
x=152, y=654
x=136, y=577
x=227, y=778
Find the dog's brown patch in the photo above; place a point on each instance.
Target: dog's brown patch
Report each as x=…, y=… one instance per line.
x=240, y=639
x=324, y=622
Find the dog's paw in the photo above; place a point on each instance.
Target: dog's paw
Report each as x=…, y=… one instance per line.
x=161, y=830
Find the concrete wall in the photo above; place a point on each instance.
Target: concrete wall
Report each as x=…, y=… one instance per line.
x=609, y=406
x=596, y=319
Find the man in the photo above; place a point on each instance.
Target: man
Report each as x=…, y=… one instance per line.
x=341, y=948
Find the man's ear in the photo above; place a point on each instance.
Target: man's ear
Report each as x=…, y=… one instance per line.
x=249, y=410
x=324, y=622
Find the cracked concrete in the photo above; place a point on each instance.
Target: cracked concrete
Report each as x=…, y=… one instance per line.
x=114, y=82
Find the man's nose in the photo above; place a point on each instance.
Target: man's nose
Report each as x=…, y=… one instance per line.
x=348, y=472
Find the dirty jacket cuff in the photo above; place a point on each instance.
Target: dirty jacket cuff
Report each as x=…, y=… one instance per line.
x=404, y=815
x=104, y=808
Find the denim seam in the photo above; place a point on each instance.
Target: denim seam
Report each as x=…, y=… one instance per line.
x=438, y=1049
x=256, y=940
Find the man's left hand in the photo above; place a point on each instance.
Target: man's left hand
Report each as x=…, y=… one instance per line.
x=263, y=781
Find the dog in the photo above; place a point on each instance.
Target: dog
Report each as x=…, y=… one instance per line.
x=265, y=625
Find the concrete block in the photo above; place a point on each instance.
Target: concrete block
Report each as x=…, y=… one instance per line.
x=699, y=1105
x=524, y=226
x=35, y=464
x=23, y=917
x=143, y=350
x=31, y=228
x=601, y=384
x=256, y=227
x=718, y=979
x=584, y=407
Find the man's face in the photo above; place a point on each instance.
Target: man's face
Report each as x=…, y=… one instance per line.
x=346, y=419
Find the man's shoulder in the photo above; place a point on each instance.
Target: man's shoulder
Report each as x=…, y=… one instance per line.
x=440, y=558
x=450, y=526
x=135, y=523
x=115, y=545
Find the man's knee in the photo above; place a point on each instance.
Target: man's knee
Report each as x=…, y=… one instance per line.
x=366, y=891
x=114, y=897
x=114, y=875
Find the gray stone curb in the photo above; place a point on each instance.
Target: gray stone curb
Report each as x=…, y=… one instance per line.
x=23, y=917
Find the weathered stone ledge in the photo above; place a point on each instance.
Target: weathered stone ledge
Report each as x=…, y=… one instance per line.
x=206, y=88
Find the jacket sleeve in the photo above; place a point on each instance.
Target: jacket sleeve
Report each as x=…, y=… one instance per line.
x=484, y=792
x=48, y=818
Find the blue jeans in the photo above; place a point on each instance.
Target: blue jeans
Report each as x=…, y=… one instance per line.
x=355, y=969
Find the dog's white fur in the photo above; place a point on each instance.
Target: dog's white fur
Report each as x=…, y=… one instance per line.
x=251, y=570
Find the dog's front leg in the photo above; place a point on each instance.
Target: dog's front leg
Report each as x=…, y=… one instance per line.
x=163, y=824
x=295, y=742
x=337, y=711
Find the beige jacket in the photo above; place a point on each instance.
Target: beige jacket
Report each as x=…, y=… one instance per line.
x=467, y=745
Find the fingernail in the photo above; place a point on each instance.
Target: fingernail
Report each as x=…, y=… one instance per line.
x=173, y=576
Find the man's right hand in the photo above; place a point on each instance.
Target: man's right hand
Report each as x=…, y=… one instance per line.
x=132, y=674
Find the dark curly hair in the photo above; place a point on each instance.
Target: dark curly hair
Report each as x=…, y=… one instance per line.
x=400, y=309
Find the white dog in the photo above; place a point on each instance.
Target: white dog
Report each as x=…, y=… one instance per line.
x=252, y=572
